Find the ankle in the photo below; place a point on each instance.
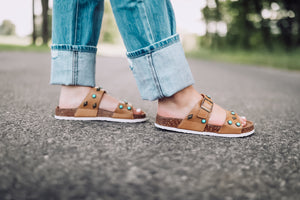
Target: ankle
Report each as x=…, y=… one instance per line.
x=182, y=97
x=72, y=96
x=179, y=104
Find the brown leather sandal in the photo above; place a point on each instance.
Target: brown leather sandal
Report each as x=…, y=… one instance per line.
x=89, y=110
x=196, y=122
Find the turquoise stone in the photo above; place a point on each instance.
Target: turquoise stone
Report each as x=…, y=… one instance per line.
x=208, y=96
x=203, y=121
x=233, y=113
x=94, y=96
x=229, y=122
x=128, y=108
x=238, y=124
x=121, y=106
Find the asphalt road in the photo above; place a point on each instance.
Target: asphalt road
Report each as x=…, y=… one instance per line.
x=43, y=158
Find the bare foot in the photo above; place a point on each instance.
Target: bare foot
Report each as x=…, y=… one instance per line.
x=72, y=96
x=181, y=103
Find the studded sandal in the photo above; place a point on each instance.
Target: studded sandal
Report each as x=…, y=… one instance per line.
x=196, y=122
x=89, y=110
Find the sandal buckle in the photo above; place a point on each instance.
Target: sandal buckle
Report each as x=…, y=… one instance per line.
x=207, y=105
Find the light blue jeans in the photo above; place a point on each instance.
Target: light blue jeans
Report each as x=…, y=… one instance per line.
x=149, y=33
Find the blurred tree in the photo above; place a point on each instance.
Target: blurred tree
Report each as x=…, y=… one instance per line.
x=33, y=24
x=45, y=29
x=253, y=23
x=7, y=28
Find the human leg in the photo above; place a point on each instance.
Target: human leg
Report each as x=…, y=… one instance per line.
x=76, y=28
x=157, y=59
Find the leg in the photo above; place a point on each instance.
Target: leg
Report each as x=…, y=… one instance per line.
x=76, y=28
x=157, y=59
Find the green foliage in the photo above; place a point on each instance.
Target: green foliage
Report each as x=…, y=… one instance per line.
x=253, y=24
x=34, y=48
x=109, y=30
x=277, y=59
x=7, y=28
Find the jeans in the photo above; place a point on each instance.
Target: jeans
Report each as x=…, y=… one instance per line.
x=148, y=30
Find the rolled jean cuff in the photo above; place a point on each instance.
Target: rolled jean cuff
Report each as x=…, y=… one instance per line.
x=161, y=69
x=73, y=65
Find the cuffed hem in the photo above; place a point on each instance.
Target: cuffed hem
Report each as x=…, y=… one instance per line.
x=73, y=65
x=161, y=71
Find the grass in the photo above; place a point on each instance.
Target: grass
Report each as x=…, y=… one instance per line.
x=34, y=48
x=276, y=59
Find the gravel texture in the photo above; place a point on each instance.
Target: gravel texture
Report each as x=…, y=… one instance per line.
x=44, y=158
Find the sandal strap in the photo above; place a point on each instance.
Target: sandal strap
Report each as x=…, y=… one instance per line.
x=90, y=104
x=197, y=119
x=232, y=124
x=123, y=111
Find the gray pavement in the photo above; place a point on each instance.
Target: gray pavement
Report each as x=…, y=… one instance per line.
x=43, y=158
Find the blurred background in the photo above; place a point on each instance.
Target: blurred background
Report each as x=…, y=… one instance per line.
x=258, y=32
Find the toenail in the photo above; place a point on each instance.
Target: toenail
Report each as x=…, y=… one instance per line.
x=93, y=96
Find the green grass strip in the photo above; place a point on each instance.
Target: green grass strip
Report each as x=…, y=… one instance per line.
x=278, y=59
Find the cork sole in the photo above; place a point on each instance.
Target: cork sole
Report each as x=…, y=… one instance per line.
x=203, y=133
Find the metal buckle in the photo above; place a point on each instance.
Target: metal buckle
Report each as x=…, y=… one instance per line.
x=204, y=108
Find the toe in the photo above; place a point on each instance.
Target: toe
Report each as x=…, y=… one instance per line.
x=137, y=111
x=243, y=120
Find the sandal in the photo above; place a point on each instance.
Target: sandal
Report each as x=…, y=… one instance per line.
x=89, y=110
x=196, y=122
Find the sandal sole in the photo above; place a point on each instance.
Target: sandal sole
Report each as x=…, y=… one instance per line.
x=203, y=133
x=109, y=119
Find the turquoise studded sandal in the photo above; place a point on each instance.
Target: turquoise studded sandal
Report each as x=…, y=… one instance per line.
x=196, y=122
x=89, y=110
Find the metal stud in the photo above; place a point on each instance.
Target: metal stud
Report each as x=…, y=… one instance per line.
x=234, y=118
x=190, y=116
x=99, y=88
x=85, y=103
x=94, y=96
x=94, y=105
x=229, y=122
x=203, y=121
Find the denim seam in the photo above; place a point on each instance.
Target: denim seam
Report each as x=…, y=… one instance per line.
x=76, y=68
x=165, y=43
x=76, y=23
x=74, y=64
x=148, y=24
x=79, y=48
x=154, y=74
